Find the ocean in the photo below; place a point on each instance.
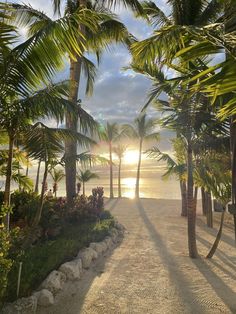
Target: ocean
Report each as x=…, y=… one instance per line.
x=151, y=183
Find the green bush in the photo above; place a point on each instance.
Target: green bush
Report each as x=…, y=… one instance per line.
x=39, y=260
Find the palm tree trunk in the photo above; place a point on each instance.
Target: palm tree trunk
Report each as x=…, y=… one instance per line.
x=192, y=244
x=111, y=171
x=203, y=201
x=40, y=209
x=183, y=189
x=195, y=197
x=36, y=189
x=71, y=145
x=139, y=167
x=83, y=188
x=218, y=237
x=119, y=176
x=209, y=215
x=7, y=193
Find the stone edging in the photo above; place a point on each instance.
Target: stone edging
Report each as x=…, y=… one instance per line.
x=68, y=271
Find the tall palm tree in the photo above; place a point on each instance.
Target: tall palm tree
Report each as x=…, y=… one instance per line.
x=119, y=151
x=57, y=175
x=110, y=134
x=143, y=130
x=85, y=176
x=95, y=32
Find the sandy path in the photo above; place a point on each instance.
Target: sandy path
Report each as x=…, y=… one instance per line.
x=150, y=271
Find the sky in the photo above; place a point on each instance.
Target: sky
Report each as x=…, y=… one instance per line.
x=118, y=95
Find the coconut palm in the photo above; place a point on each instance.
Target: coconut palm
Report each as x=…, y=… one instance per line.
x=168, y=38
x=85, y=176
x=119, y=151
x=95, y=32
x=57, y=175
x=110, y=134
x=143, y=130
x=177, y=168
x=47, y=144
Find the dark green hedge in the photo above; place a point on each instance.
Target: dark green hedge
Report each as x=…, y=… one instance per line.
x=40, y=260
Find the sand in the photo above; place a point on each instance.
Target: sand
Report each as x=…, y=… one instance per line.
x=150, y=271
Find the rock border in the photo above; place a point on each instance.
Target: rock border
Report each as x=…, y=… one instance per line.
x=68, y=271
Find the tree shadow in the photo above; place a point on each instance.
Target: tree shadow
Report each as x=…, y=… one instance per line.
x=226, y=259
x=169, y=261
x=225, y=238
x=71, y=299
x=112, y=204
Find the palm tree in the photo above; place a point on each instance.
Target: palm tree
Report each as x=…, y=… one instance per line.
x=85, y=176
x=110, y=134
x=119, y=151
x=174, y=168
x=93, y=30
x=57, y=175
x=47, y=144
x=143, y=130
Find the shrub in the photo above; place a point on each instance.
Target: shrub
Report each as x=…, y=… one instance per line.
x=39, y=260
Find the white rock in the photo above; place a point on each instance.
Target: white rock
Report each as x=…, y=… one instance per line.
x=72, y=269
x=54, y=281
x=21, y=306
x=109, y=242
x=98, y=247
x=45, y=297
x=119, y=226
x=87, y=255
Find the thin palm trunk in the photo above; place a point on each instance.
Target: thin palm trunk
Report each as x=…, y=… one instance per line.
x=192, y=244
x=209, y=214
x=83, y=187
x=27, y=167
x=7, y=193
x=40, y=209
x=139, y=167
x=183, y=189
x=71, y=145
x=218, y=237
x=36, y=189
x=119, y=184
x=203, y=201
x=111, y=170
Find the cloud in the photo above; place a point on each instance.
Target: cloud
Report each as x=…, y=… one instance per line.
x=118, y=95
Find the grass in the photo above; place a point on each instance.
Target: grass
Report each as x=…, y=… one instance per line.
x=39, y=260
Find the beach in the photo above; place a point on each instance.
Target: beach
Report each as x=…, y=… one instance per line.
x=150, y=271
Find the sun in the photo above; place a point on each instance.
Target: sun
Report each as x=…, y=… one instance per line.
x=131, y=157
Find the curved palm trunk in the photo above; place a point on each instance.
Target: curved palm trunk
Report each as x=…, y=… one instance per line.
x=7, y=192
x=139, y=167
x=218, y=237
x=36, y=189
x=192, y=244
x=111, y=171
x=183, y=189
x=119, y=184
x=71, y=145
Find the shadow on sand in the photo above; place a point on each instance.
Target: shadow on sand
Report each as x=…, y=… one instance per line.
x=183, y=285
